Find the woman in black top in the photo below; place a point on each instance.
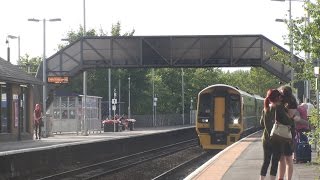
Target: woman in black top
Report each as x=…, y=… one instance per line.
x=272, y=149
x=266, y=122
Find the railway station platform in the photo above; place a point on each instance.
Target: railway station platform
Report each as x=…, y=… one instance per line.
x=243, y=160
x=30, y=159
x=69, y=139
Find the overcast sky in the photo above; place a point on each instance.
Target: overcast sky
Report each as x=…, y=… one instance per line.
x=147, y=17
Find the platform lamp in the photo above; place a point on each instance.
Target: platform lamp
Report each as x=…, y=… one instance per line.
x=182, y=94
x=85, y=86
x=44, y=68
x=16, y=37
x=8, y=50
x=191, y=108
x=129, y=104
x=155, y=100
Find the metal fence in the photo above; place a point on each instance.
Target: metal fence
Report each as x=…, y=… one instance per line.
x=67, y=114
x=164, y=120
x=149, y=120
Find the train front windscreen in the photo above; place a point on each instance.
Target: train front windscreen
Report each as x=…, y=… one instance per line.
x=204, y=108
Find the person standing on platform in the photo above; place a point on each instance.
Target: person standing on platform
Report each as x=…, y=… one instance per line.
x=286, y=160
x=267, y=119
x=37, y=117
x=303, y=127
x=310, y=107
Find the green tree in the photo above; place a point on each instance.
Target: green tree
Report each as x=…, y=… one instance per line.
x=31, y=63
x=258, y=75
x=73, y=36
x=306, y=39
x=116, y=30
x=305, y=34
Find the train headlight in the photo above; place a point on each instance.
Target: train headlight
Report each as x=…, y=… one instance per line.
x=203, y=120
x=236, y=121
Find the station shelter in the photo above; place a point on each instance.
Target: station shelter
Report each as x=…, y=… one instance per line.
x=17, y=102
x=67, y=117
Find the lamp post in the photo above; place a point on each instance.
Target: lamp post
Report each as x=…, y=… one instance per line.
x=16, y=37
x=191, y=107
x=8, y=50
x=44, y=72
x=84, y=78
x=155, y=99
x=308, y=55
x=129, y=104
x=307, y=88
x=317, y=72
x=290, y=38
x=153, y=107
x=109, y=91
x=182, y=91
x=84, y=17
x=119, y=105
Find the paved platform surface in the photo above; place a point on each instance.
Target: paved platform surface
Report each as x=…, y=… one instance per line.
x=243, y=160
x=67, y=139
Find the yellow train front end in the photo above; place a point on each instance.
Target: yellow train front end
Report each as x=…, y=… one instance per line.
x=219, y=116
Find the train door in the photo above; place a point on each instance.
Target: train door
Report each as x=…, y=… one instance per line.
x=219, y=113
x=218, y=135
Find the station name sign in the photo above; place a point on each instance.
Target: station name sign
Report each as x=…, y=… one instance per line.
x=58, y=79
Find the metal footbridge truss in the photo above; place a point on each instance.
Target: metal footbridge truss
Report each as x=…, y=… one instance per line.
x=166, y=51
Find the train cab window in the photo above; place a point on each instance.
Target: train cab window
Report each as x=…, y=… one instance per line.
x=234, y=109
x=204, y=105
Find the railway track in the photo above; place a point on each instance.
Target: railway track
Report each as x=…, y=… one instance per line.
x=180, y=171
x=109, y=167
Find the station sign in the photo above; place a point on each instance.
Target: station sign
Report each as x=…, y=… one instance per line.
x=58, y=79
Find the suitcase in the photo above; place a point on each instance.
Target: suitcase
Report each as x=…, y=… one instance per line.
x=303, y=149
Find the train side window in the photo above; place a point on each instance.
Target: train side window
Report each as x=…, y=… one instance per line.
x=204, y=105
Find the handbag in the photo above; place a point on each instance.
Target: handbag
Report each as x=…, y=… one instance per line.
x=280, y=131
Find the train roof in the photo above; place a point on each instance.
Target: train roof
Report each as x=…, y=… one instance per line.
x=231, y=87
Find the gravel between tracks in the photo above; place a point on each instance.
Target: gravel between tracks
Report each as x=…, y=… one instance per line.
x=151, y=169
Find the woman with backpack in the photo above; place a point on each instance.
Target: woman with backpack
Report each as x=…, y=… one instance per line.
x=286, y=160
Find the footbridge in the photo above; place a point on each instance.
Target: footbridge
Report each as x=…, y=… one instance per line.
x=166, y=52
